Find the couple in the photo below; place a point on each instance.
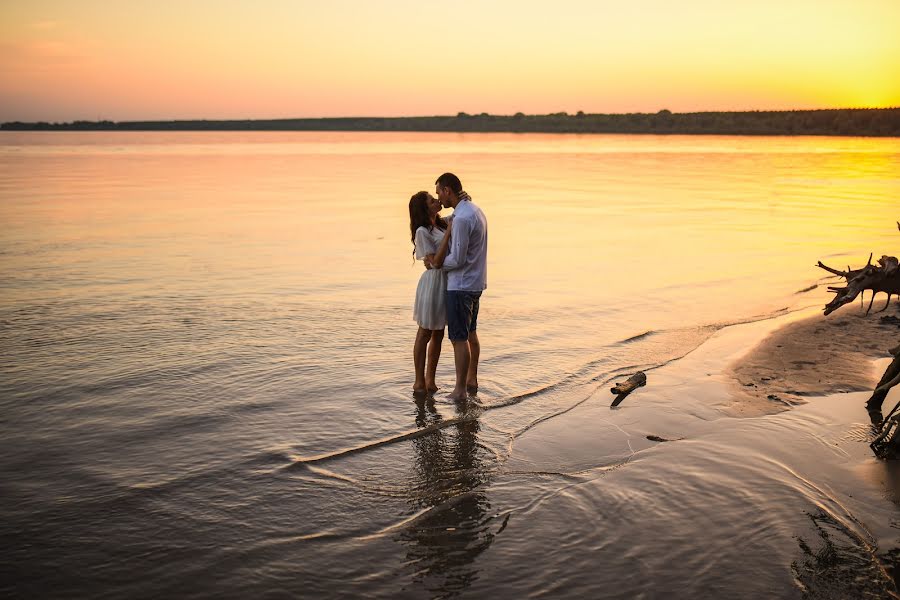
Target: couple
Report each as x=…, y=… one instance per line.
x=454, y=251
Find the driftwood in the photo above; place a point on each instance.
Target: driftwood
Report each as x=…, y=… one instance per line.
x=882, y=278
x=626, y=387
x=887, y=443
x=890, y=378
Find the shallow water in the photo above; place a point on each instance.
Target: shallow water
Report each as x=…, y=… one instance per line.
x=205, y=387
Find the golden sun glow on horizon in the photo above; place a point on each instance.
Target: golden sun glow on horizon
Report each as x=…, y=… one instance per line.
x=64, y=60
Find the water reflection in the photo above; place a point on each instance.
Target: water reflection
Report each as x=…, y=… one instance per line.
x=837, y=563
x=449, y=481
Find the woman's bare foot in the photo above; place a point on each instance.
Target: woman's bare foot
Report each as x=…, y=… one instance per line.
x=472, y=386
x=419, y=387
x=431, y=386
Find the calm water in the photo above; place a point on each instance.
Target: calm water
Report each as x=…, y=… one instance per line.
x=207, y=364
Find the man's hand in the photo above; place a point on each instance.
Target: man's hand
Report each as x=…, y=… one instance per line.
x=428, y=261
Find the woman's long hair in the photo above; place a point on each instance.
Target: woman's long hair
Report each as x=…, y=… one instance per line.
x=419, y=217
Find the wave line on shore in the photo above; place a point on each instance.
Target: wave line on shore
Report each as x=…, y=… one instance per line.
x=408, y=435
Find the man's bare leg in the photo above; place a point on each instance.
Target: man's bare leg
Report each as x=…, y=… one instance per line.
x=434, y=354
x=419, y=348
x=461, y=356
x=472, y=372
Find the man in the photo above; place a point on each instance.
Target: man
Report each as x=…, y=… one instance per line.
x=463, y=254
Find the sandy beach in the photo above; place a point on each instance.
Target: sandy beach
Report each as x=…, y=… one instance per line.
x=815, y=356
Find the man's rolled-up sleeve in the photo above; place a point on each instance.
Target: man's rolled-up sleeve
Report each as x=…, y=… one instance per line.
x=459, y=245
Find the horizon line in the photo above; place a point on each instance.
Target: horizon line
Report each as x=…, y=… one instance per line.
x=445, y=116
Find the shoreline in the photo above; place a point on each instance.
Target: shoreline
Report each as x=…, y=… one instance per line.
x=865, y=122
x=693, y=447
x=716, y=450
x=812, y=357
x=706, y=390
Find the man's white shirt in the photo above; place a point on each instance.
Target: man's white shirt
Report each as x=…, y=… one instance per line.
x=466, y=261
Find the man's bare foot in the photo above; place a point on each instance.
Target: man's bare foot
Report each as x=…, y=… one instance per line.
x=457, y=395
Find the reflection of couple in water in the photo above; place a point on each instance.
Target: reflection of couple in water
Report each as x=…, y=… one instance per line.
x=454, y=252
x=455, y=525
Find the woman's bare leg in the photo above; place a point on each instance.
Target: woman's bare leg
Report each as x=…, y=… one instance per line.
x=419, y=349
x=434, y=354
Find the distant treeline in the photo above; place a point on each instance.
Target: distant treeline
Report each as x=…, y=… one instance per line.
x=849, y=121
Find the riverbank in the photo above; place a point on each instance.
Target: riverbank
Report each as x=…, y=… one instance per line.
x=750, y=370
x=815, y=356
x=875, y=122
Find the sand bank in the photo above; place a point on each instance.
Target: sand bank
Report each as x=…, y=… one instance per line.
x=815, y=356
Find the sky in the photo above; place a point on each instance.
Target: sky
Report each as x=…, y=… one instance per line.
x=63, y=60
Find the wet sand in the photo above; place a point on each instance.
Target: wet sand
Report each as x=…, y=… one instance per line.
x=679, y=469
x=815, y=356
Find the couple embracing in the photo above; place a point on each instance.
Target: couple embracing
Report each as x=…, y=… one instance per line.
x=454, y=252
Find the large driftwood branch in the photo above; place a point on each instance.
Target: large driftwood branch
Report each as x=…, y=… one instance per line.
x=885, y=277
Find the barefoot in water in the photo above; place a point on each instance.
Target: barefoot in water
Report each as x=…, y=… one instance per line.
x=431, y=387
x=457, y=395
x=472, y=386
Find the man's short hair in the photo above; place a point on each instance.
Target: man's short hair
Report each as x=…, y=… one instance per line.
x=451, y=181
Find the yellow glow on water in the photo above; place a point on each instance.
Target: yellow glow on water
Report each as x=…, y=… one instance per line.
x=666, y=230
x=63, y=59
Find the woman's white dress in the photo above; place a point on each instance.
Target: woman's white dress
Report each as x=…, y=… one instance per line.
x=430, y=307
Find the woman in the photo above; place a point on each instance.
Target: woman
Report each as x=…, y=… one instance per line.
x=427, y=229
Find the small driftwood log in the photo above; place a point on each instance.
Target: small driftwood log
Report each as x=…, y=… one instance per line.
x=626, y=387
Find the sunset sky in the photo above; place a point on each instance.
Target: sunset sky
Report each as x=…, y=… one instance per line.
x=144, y=59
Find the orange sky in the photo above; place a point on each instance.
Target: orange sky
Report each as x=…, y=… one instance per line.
x=141, y=59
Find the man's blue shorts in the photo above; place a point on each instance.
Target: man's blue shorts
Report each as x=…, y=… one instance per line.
x=462, y=314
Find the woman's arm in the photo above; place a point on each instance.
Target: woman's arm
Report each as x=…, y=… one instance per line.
x=438, y=260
